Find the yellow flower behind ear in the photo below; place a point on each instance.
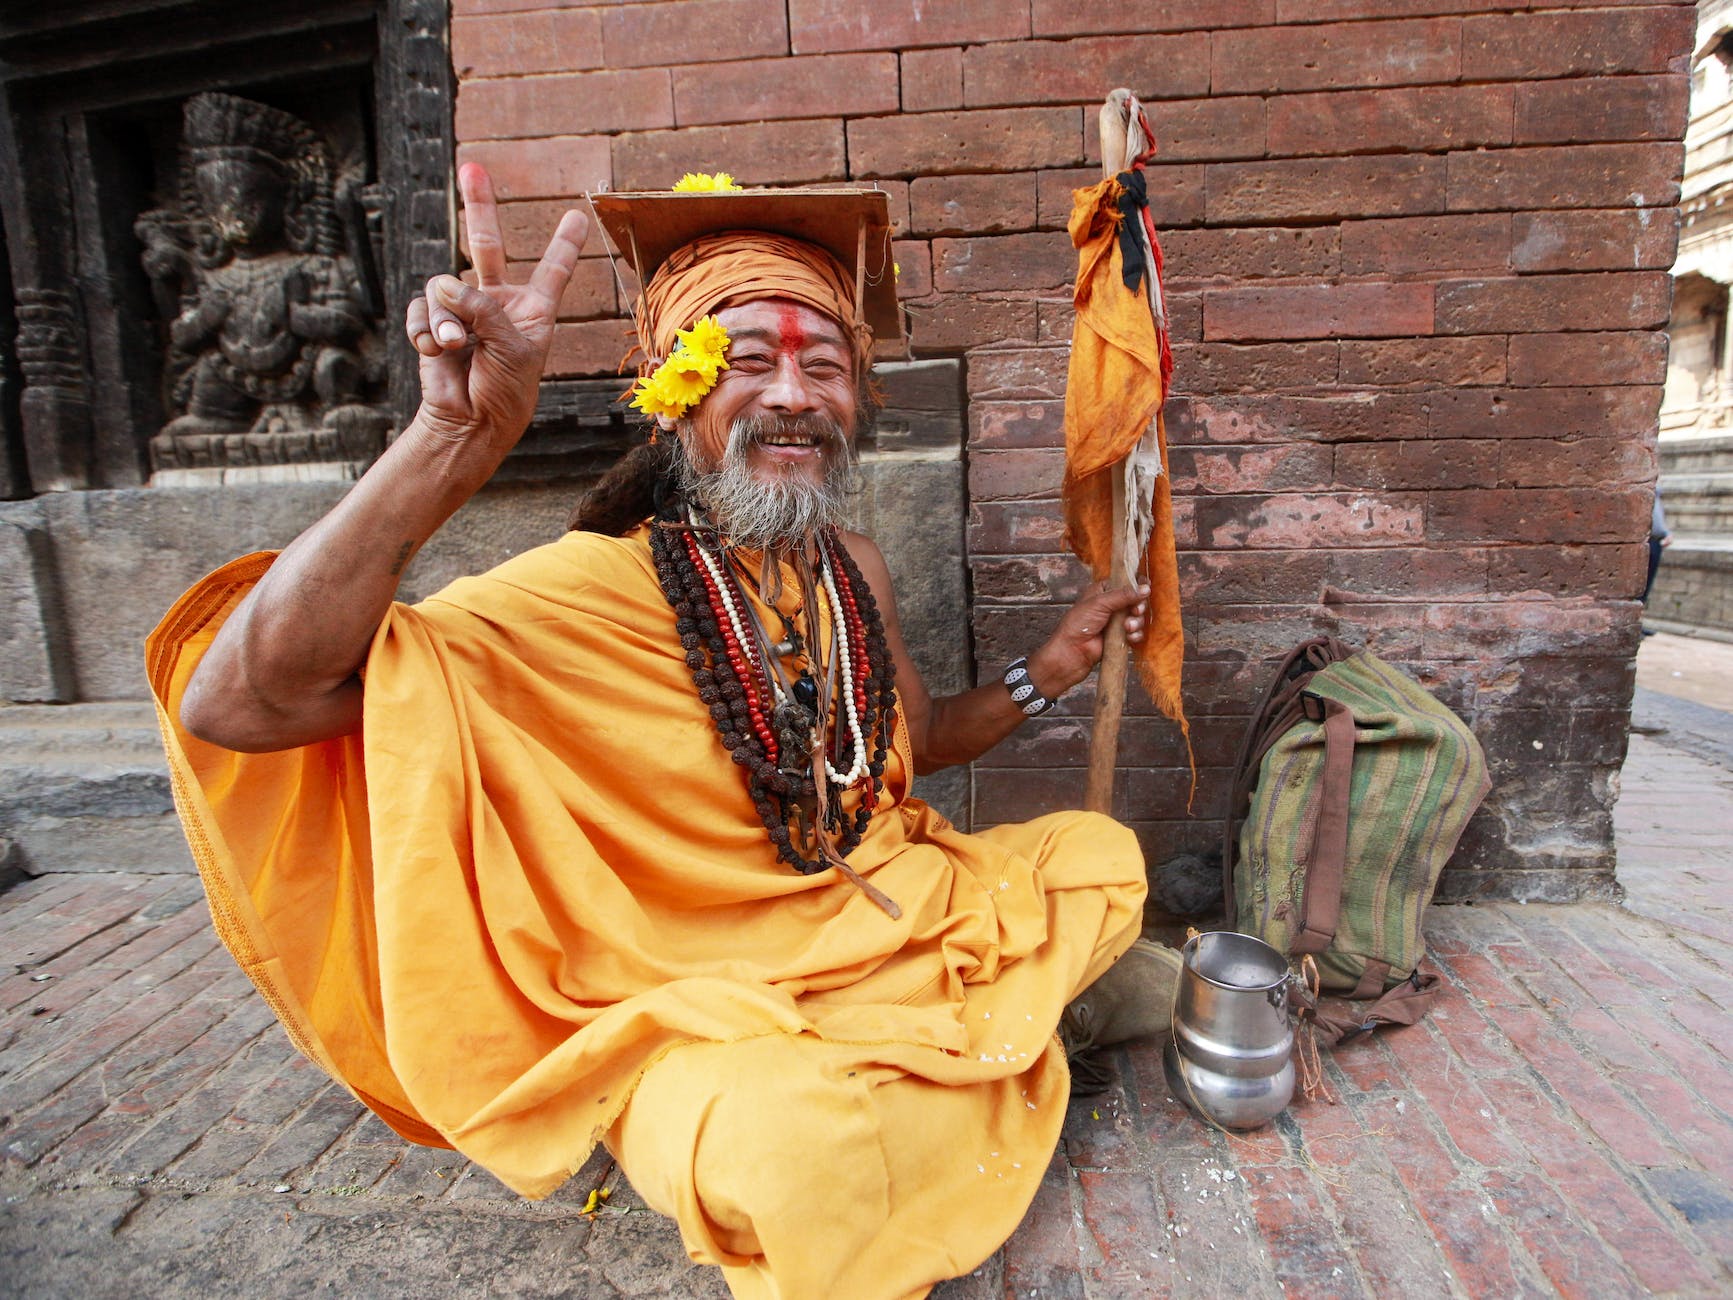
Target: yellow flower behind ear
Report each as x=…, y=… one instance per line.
x=707, y=339
x=683, y=380
x=704, y=182
x=651, y=398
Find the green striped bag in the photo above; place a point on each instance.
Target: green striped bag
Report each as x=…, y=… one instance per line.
x=1354, y=785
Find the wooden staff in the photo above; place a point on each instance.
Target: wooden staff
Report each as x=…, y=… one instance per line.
x=1110, y=685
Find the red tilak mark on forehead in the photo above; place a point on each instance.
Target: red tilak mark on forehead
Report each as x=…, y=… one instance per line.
x=788, y=319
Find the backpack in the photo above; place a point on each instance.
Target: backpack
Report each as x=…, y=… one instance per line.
x=1354, y=784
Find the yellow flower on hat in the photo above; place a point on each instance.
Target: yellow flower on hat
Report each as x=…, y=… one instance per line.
x=705, y=182
x=681, y=382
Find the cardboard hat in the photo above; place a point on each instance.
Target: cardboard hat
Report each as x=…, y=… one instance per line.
x=854, y=226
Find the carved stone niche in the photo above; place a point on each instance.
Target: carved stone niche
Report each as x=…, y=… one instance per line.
x=264, y=279
x=200, y=263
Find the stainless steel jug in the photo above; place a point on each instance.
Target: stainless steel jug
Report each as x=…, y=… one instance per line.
x=1231, y=1059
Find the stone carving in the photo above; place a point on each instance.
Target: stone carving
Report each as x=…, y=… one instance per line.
x=274, y=352
x=48, y=351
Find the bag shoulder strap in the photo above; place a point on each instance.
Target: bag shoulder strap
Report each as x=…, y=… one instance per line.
x=1336, y=1019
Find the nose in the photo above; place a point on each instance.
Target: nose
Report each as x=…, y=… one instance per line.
x=790, y=391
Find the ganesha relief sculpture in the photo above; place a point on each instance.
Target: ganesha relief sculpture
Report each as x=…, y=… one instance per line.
x=273, y=343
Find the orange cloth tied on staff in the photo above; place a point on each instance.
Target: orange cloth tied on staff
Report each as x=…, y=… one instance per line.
x=1113, y=405
x=735, y=266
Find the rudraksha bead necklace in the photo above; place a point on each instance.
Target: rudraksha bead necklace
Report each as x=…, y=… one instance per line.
x=785, y=744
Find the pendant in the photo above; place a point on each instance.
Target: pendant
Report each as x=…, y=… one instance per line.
x=795, y=726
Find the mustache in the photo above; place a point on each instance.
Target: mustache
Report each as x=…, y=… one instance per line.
x=754, y=430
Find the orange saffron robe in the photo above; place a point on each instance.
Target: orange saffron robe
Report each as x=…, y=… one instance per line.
x=533, y=881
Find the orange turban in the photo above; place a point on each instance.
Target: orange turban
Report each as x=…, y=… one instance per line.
x=736, y=266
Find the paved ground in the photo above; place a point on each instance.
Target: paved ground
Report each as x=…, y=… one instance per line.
x=1561, y=1125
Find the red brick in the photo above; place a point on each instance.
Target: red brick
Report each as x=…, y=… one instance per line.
x=520, y=44
x=1029, y=372
x=1067, y=18
x=1621, y=1215
x=1602, y=108
x=1319, y=11
x=1297, y=521
x=1403, y=120
x=955, y=321
x=1404, y=572
x=1552, y=303
x=1575, y=462
x=926, y=143
x=1426, y=244
x=1574, y=176
x=1034, y=261
x=516, y=108
x=1233, y=471
x=1176, y=196
x=1318, y=311
x=588, y=348
x=1420, y=464
x=1262, y=60
x=1249, y=578
x=1028, y=578
x=1227, y=367
x=1082, y=70
x=1121, y=1210
x=1629, y=357
x=820, y=85
x=1542, y=412
x=1015, y=528
x=693, y=31
x=1480, y=1257
x=494, y=6
x=1306, y=1249
x=1016, y=423
x=1251, y=253
x=559, y=167
x=525, y=228
x=1537, y=515
x=769, y=153
x=1571, y=1255
x=823, y=26
x=1016, y=474
x=954, y=205
x=1508, y=46
x=1617, y=240
x=1254, y=193
x=932, y=79
x=913, y=263
x=1347, y=417
x=1432, y=362
x=1201, y=130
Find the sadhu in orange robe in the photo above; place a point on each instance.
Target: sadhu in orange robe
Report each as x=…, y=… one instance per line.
x=530, y=907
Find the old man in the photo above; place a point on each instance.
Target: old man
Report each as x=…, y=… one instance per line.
x=614, y=843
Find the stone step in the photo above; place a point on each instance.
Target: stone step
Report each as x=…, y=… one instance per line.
x=84, y=787
x=1695, y=455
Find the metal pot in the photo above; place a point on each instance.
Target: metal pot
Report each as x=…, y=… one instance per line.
x=1231, y=1059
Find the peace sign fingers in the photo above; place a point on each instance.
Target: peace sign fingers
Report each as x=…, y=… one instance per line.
x=481, y=221
x=554, y=271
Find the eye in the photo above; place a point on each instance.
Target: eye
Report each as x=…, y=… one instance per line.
x=751, y=363
x=824, y=368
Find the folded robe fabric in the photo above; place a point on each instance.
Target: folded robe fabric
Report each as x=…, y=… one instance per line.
x=534, y=875
x=1113, y=395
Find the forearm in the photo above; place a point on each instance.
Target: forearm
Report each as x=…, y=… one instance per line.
x=960, y=728
x=283, y=670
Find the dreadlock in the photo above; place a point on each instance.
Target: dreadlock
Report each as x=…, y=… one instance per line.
x=626, y=495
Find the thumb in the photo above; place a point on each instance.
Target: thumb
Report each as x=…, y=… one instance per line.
x=481, y=316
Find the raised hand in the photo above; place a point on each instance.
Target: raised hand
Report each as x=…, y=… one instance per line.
x=483, y=347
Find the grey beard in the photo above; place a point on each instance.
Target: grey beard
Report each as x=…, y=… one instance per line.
x=776, y=511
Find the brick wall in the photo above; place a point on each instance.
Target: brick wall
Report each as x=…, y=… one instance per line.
x=1419, y=274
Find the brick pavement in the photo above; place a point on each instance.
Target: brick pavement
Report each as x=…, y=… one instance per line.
x=1560, y=1125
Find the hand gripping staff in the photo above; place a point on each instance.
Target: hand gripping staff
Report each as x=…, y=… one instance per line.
x=1118, y=509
